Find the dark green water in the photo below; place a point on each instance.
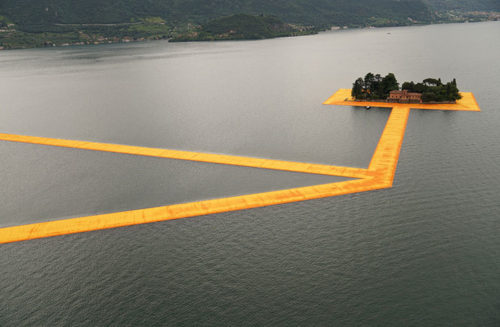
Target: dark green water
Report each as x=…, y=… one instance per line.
x=425, y=252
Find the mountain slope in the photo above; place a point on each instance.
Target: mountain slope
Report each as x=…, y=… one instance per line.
x=314, y=12
x=38, y=23
x=464, y=5
x=243, y=27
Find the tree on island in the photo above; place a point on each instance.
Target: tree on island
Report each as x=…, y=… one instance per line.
x=433, y=90
x=374, y=87
x=357, y=88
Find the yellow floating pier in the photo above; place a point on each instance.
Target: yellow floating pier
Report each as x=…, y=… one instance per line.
x=379, y=175
x=467, y=103
x=300, y=167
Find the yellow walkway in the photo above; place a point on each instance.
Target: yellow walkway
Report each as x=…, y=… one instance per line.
x=385, y=158
x=380, y=174
x=300, y=167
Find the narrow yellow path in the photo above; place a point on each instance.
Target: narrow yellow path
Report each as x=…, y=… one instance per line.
x=134, y=217
x=380, y=174
x=300, y=167
x=385, y=158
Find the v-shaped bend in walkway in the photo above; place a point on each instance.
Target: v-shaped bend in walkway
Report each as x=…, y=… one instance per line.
x=380, y=174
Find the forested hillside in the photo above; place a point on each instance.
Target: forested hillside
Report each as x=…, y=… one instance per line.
x=465, y=5
x=315, y=12
x=33, y=23
x=243, y=27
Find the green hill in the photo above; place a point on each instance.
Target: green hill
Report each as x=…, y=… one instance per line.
x=464, y=5
x=307, y=12
x=243, y=27
x=28, y=23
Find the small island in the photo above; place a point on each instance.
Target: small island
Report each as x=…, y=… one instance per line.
x=243, y=27
x=386, y=89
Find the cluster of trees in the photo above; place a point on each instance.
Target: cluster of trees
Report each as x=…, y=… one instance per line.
x=374, y=87
x=433, y=90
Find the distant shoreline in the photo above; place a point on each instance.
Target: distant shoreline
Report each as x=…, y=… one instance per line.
x=115, y=40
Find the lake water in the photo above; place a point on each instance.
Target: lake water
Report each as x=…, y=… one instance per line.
x=425, y=252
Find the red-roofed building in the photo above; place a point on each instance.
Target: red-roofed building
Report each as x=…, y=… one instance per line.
x=405, y=97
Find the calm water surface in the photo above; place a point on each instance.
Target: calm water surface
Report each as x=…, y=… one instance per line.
x=425, y=252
